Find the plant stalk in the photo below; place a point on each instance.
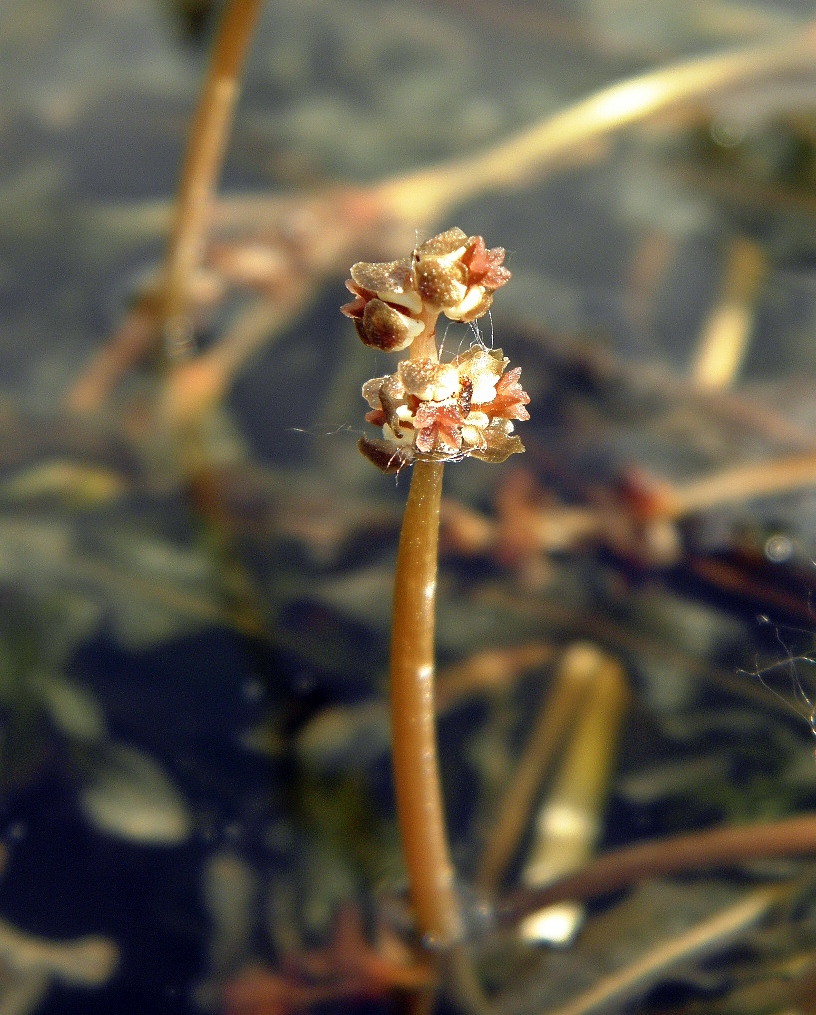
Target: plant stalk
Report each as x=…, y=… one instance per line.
x=162, y=314
x=420, y=810
x=691, y=851
x=423, y=195
x=205, y=153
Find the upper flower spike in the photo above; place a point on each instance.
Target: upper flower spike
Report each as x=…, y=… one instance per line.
x=451, y=273
x=427, y=409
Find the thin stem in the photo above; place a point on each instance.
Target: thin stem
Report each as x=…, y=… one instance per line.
x=738, y=483
x=426, y=194
x=163, y=312
x=416, y=777
x=726, y=334
x=690, y=945
x=552, y=726
x=205, y=152
x=688, y=852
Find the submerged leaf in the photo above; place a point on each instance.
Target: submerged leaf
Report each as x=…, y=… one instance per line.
x=131, y=798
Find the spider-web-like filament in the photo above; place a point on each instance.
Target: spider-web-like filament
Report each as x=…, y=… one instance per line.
x=802, y=704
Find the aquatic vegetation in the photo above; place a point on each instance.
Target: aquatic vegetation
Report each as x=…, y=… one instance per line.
x=431, y=413
x=195, y=563
x=129, y=796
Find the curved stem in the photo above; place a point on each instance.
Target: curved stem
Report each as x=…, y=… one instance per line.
x=416, y=777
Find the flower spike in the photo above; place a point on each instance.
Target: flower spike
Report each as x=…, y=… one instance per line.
x=430, y=410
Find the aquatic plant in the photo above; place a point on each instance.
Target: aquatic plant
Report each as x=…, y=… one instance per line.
x=430, y=413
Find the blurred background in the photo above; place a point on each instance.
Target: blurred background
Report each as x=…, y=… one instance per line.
x=195, y=562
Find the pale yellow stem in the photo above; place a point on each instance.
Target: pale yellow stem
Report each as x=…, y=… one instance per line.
x=569, y=821
x=424, y=195
x=726, y=335
x=570, y=686
x=686, y=947
x=739, y=483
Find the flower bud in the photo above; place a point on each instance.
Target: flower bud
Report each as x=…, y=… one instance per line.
x=383, y=327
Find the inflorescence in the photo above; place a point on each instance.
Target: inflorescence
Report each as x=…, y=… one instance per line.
x=430, y=410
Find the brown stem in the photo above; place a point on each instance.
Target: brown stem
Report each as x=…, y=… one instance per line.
x=690, y=852
x=416, y=777
x=205, y=151
x=192, y=208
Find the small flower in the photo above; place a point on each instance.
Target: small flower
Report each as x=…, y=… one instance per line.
x=392, y=281
x=445, y=411
x=430, y=381
x=380, y=325
x=440, y=278
x=484, y=368
x=438, y=428
x=386, y=307
x=485, y=266
x=510, y=398
x=458, y=274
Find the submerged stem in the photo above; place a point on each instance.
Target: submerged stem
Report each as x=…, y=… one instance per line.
x=690, y=851
x=416, y=776
x=422, y=195
x=163, y=313
x=205, y=152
